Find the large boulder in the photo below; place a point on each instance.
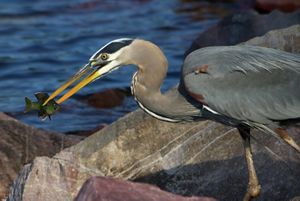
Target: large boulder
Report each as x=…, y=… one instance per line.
x=203, y=159
x=285, y=39
x=20, y=144
x=243, y=26
x=200, y=158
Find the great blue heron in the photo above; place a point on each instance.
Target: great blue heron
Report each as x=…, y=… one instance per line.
x=242, y=86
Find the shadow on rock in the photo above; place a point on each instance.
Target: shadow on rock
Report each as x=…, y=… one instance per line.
x=227, y=179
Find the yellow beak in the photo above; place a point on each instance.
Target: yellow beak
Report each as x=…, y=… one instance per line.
x=92, y=76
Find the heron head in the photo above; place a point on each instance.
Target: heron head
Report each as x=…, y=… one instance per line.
x=110, y=56
x=105, y=60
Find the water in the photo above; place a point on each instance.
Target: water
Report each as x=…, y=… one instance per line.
x=44, y=42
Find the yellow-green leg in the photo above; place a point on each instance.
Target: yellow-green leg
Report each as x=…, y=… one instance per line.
x=253, y=189
x=285, y=136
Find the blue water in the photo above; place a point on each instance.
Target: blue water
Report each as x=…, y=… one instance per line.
x=44, y=42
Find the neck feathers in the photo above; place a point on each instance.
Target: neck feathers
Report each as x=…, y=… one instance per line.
x=151, y=62
x=146, y=83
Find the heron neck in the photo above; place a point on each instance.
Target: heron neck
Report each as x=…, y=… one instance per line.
x=146, y=82
x=152, y=64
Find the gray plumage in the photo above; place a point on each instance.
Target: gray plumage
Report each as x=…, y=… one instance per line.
x=248, y=83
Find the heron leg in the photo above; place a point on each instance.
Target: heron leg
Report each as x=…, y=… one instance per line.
x=253, y=189
x=288, y=139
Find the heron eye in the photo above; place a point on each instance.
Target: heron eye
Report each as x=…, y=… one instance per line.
x=104, y=56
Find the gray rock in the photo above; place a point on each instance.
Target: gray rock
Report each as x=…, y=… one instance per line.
x=17, y=191
x=284, y=39
x=242, y=26
x=201, y=159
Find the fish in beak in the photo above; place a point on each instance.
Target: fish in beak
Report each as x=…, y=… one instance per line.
x=93, y=70
x=105, y=60
x=43, y=110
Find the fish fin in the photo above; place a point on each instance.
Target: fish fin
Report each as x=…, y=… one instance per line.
x=43, y=118
x=42, y=115
x=28, y=105
x=41, y=97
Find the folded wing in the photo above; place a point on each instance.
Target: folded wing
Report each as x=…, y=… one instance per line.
x=245, y=82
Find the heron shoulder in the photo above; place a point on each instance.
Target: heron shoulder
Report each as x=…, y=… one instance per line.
x=244, y=58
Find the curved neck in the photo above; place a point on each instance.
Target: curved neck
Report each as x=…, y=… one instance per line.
x=152, y=65
x=152, y=69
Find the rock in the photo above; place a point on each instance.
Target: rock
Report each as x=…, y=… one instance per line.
x=296, y=198
x=204, y=10
x=86, y=133
x=192, y=159
x=20, y=143
x=105, y=99
x=19, y=182
x=109, y=189
x=283, y=5
x=284, y=39
x=200, y=159
x=243, y=26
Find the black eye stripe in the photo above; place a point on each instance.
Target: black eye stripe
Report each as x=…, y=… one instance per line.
x=112, y=47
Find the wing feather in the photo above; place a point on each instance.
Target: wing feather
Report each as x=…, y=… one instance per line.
x=245, y=82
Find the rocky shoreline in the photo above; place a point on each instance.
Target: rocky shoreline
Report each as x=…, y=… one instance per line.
x=191, y=159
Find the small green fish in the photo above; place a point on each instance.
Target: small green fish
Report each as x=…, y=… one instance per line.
x=43, y=111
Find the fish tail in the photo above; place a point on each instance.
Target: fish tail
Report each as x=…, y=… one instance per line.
x=28, y=105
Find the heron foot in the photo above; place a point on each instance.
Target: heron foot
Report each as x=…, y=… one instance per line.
x=253, y=191
x=288, y=139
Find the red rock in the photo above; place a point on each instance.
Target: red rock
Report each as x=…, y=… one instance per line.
x=110, y=189
x=282, y=5
x=105, y=99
